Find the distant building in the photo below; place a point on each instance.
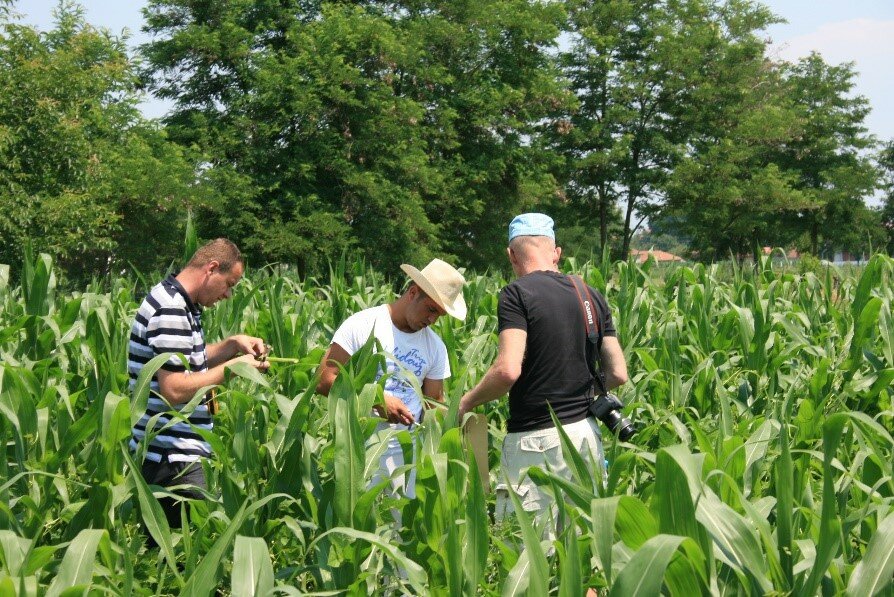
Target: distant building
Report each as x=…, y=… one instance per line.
x=790, y=254
x=848, y=258
x=660, y=256
x=837, y=257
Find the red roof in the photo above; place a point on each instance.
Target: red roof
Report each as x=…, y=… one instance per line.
x=789, y=254
x=642, y=256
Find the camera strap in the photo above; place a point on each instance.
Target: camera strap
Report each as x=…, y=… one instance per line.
x=588, y=311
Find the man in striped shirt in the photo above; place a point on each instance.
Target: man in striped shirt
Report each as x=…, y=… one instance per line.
x=169, y=321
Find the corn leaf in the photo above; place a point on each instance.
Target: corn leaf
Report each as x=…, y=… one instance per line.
x=875, y=572
x=252, y=568
x=643, y=575
x=77, y=563
x=152, y=513
x=570, y=577
x=475, y=539
x=532, y=569
x=13, y=550
x=829, y=538
x=416, y=576
x=246, y=371
x=206, y=576
x=603, y=513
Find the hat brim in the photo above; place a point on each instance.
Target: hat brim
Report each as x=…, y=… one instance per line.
x=456, y=309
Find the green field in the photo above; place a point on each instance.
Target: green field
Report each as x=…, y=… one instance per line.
x=763, y=464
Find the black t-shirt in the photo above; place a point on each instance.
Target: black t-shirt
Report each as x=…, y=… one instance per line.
x=555, y=370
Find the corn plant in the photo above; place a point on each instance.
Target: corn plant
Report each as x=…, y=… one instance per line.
x=762, y=464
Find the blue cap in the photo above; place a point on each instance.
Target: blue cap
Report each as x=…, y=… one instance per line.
x=532, y=224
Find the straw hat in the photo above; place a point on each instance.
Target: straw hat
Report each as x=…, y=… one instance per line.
x=442, y=283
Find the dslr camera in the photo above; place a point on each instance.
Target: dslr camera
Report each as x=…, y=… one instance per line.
x=607, y=408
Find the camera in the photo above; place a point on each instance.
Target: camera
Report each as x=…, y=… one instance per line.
x=607, y=408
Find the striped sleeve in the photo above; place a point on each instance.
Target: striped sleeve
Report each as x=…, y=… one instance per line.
x=169, y=330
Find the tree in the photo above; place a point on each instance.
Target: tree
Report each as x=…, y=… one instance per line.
x=783, y=161
x=648, y=76
x=829, y=155
x=727, y=194
x=81, y=174
x=399, y=129
x=497, y=85
x=886, y=169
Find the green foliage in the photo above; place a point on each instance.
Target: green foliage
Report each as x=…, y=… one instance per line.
x=885, y=164
x=83, y=176
x=787, y=166
x=809, y=263
x=828, y=156
x=762, y=462
x=658, y=85
x=727, y=192
x=399, y=132
x=396, y=132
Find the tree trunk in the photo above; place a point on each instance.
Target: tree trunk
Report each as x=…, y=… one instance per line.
x=628, y=216
x=632, y=195
x=603, y=218
x=814, y=236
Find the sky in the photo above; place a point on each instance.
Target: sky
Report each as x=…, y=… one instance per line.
x=859, y=31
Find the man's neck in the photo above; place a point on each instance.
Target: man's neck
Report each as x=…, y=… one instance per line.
x=398, y=312
x=190, y=281
x=533, y=266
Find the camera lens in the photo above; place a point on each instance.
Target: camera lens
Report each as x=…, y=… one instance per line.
x=607, y=408
x=619, y=425
x=626, y=429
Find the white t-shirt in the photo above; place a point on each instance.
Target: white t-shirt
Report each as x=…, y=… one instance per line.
x=423, y=353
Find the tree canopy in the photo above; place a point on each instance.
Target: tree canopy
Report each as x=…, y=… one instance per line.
x=396, y=132
x=82, y=174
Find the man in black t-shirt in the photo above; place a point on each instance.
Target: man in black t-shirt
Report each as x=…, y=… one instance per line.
x=544, y=361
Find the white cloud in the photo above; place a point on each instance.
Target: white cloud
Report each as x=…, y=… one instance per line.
x=854, y=40
x=869, y=44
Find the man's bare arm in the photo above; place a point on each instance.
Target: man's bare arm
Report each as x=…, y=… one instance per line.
x=502, y=375
x=329, y=367
x=614, y=366
x=179, y=387
x=433, y=389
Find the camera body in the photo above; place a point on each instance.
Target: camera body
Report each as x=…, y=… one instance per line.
x=607, y=408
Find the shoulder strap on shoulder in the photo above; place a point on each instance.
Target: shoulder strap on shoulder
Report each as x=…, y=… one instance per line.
x=587, y=308
x=588, y=312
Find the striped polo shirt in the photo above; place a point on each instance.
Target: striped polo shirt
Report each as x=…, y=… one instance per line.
x=168, y=321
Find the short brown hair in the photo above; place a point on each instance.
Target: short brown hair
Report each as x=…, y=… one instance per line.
x=221, y=250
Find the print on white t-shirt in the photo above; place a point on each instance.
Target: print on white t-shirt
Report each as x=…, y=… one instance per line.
x=421, y=353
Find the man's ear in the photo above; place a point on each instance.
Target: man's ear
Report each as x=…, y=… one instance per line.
x=558, y=254
x=511, y=254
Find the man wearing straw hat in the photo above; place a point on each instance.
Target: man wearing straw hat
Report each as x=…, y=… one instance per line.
x=544, y=362
x=403, y=330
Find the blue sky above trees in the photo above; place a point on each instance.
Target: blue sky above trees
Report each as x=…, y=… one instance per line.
x=861, y=31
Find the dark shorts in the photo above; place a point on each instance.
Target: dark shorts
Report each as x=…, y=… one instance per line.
x=169, y=474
